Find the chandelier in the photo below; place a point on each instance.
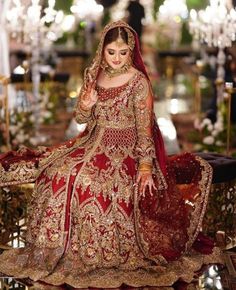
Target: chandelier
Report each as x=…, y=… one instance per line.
x=216, y=27
x=37, y=28
x=87, y=9
x=25, y=21
x=173, y=10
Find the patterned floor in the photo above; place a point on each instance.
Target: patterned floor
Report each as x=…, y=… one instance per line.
x=8, y=283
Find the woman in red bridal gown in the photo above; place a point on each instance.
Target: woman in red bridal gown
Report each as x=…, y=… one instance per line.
x=108, y=207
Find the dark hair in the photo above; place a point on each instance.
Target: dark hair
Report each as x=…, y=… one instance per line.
x=113, y=34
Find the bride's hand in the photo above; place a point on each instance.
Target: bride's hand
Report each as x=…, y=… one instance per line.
x=89, y=99
x=144, y=181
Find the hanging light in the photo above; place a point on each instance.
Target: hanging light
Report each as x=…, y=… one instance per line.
x=87, y=9
x=173, y=10
x=216, y=27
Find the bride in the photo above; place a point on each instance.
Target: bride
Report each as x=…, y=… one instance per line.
x=108, y=207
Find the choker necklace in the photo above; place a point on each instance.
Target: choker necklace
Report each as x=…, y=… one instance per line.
x=111, y=72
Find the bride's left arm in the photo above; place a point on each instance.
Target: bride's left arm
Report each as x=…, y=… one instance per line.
x=145, y=149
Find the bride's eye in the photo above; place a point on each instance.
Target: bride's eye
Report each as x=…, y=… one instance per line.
x=123, y=53
x=110, y=52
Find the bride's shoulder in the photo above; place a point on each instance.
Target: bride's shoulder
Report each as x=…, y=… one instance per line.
x=135, y=71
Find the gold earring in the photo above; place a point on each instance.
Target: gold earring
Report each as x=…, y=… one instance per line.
x=104, y=64
x=130, y=61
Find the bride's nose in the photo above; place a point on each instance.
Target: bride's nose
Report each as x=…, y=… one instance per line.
x=117, y=57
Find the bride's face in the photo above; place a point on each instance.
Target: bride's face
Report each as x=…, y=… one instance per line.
x=116, y=55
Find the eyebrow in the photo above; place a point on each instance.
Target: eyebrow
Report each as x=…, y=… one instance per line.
x=122, y=50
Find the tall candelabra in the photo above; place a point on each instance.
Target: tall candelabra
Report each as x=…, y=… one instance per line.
x=229, y=90
x=216, y=27
x=36, y=28
x=4, y=81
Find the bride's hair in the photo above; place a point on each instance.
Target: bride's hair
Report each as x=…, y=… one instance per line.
x=114, y=34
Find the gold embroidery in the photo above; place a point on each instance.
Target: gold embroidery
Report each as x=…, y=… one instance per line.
x=20, y=172
x=200, y=205
x=83, y=226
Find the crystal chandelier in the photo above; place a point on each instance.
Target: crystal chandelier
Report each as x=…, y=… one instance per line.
x=37, y=28
x=216, y=27
x=87, y=9
x=170, y=10
x=170, y=17
x=24, y=21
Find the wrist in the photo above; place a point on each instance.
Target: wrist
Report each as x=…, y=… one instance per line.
x=84, y=107
x=145, y=167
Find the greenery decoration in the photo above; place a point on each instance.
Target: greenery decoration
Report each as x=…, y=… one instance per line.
x=64, y=5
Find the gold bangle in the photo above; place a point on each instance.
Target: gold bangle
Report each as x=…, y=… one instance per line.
x=145, y=167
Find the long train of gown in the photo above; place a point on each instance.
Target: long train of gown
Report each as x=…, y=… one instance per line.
x=87, y=224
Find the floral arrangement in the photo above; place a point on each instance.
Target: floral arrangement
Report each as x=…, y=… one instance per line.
x=209, y=136
x=23, y=119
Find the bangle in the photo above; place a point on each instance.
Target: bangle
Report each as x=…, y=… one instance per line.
x=147, y=167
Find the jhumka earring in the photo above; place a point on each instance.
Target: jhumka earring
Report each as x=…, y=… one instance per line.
x=104, y=64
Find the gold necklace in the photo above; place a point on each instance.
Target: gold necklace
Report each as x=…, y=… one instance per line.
x=111, y=72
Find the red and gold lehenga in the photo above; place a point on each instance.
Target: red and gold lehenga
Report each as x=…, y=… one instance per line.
x=88, y=224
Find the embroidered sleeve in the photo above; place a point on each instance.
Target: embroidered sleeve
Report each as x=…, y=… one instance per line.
x=143, y=104
x=81, y=115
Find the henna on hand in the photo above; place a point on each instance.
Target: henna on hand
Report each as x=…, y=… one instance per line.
x=145, y=180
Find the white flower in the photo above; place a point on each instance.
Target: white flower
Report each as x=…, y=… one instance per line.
x=210, y=127
x=19, y=125
x=47, y=114
x=219, y=143
x=33, y=141
x=214, y=133
x=50, y=105
x=206, y=121
x=197, y=147
x=219, y=126
x=20, y=109
x=20, y=138
x=40, y=120
x=209, y=140
x=32, y=118
x=13, y=129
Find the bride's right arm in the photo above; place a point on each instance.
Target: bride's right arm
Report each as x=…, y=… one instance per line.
x=82, y=114
x=85, y=104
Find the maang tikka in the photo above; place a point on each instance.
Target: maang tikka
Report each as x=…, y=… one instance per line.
x=131, y=41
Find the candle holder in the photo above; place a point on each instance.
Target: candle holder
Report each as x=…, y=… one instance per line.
x=198, y=95
x=4, y=81
x=229, y=90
